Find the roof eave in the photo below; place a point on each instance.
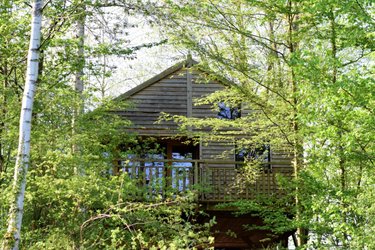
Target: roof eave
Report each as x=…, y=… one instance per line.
x=184, y=64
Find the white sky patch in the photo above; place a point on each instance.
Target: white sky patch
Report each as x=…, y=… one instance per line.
x=121, y=73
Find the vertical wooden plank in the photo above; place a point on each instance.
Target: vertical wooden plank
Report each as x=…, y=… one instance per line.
x=150, y=181
x=214, y=181
x=195, y=169
x=157, y=181
x=189, y=93
x=229, y=183
x=220, y=176
x=218, y=185
x=175, y=178
x=214, y=185
x=144, y=185
x=247, y=186
x=116, y=166
x=163, y=185
x=221, y=188
x=202, y=179
x=168, y=168
x=264, y=182
x=178, y=178
x=270, y=187
x=219, y=180
x=184, y=180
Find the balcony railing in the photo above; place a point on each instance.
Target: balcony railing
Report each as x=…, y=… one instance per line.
x=214, y=180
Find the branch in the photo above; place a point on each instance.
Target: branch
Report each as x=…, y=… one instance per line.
x=252, y=36
x=45, y=5
x=351, y=95
x=363, y=10
x=100, y=216
x=363, y=54
x=26, y=3
x=279, y=127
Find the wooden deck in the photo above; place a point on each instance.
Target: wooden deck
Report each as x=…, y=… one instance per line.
x=213, y=180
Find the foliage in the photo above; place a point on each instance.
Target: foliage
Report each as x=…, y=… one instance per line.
x=306, y=70
x=58, y=201
x=67, y=186
x=168, y=224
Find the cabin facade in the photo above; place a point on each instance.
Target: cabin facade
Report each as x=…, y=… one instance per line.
x=184, y=163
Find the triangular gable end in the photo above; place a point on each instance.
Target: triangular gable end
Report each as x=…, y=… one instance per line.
x=173, y=92
x=173, y=69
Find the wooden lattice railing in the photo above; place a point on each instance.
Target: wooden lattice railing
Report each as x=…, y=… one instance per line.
x=214, y=180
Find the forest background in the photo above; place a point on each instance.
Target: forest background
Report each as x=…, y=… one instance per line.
x=307, y=67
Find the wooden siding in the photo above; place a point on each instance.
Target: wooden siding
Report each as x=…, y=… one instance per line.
x=218, y=150
x=175, y=92
x=201, y=89
x=166, y=95
x=170, y=94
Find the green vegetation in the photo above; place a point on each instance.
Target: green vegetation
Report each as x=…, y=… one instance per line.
x=71, y=200
x=305, y=68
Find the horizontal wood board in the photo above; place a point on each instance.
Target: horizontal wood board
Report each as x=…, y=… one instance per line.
x=169, y=95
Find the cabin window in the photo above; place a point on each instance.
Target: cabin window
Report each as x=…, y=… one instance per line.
x=227, y=112
x=261, y=154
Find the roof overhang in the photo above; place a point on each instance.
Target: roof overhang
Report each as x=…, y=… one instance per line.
x=184, y=64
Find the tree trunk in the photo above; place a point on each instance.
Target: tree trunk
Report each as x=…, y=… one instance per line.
x=2, y=120
x=13, y=235
x=302, y=232
x=78, y=85
x=78, y=81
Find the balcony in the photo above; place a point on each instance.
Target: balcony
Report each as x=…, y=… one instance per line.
x=214, y=180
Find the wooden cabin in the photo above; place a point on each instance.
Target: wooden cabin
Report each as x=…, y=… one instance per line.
x=210, y=165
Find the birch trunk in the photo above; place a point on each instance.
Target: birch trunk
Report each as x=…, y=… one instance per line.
x=13, y=235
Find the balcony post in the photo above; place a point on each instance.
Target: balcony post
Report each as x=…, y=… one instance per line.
x=196, y=174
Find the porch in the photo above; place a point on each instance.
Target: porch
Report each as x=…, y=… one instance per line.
x=214, y=181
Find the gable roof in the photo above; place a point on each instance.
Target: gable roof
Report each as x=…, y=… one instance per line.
x=189, y=62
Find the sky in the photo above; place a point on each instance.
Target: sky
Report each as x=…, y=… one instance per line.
x=126, y=73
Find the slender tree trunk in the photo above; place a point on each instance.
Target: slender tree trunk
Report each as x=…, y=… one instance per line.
x=78, y=81
x=2, y=119
x=78, y=85
x=340, y=127
x=274, y=61
x=103, y=87
x=302, y=233
x=13, y=235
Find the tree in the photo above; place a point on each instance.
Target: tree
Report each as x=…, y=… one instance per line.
x=79, y=74
x=58, y=201
x=13, y=237
x=280, y=58
x=12, y=73
x=336, y=123
x=254, y=61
